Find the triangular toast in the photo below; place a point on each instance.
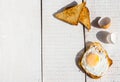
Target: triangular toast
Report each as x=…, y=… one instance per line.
x=85, y=18
x=71, y=15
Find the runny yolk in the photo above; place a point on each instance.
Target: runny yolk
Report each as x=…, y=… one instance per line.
x=92, y=59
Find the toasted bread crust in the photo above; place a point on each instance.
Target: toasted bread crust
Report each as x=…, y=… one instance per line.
x=89, y=74
x=71, y=15
x=109, y=61
x=85, y=18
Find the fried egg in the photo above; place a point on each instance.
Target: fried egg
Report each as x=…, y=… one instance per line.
x=95, y=60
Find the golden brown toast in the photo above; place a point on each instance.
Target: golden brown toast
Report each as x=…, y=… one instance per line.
x=85, y=18
x=71, y=15
x=106, y=54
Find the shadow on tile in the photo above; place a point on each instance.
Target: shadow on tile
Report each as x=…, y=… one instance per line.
x=95, y=22
x=102, y=36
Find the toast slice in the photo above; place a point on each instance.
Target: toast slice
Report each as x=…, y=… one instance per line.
x=71, y=15
x=99, y=47
x=85, y=18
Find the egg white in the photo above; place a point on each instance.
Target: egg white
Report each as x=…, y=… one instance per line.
x=101, y=67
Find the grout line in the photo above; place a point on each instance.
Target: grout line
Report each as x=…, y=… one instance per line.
x=84, y=47
x=84, y=38
x=41, y=43
x=84, y=44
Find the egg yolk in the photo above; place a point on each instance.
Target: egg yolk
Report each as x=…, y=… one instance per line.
x=92, y=59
